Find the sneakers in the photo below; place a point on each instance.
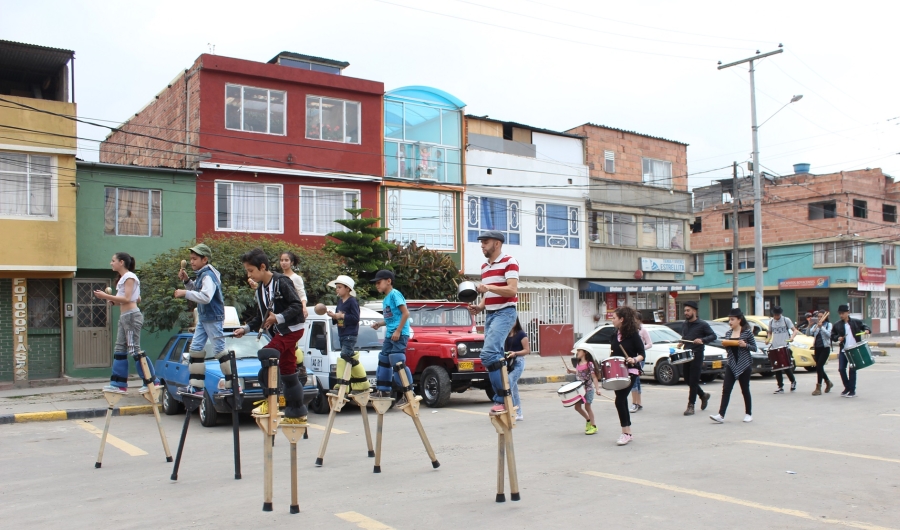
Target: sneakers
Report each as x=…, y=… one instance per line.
x=591, y=430
x=845, y=392
x=704, y=400
x=623, y=439
x=793, y=386
x=849, y=395
x=499, y=407
x=294, y=421
x=520, y=417
x=115, y=389
x=634, y=408
x=190, y=390
x=717, y=418
x=144, y=389
x=689, y=411
x=226, y=392
x=828, y=385
x=779, y=391
x=748, y=418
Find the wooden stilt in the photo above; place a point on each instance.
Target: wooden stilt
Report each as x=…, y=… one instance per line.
x=411, y=408
x=381, y=405
x=362, y=400
x=503, y=423
x=237, y=401
x=337, y=403
x=293, y=433
x=501, y=453
x=268, y=424
x=111, y=398
x=152, y=396
x=191, y=403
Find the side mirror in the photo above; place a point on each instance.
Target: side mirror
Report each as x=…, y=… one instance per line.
x=321, y=344
x=185, y=358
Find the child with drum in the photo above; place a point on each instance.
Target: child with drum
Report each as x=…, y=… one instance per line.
x=586, y=371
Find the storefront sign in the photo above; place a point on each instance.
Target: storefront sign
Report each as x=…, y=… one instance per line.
x=871, y=279
x=662, y=265
x=810, y=282
x=611, y=299
x=856, y=293
x=20, y=328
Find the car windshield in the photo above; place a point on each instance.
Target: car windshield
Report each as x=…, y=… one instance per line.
x=244, y=348
x=719, y=328
x=663, y=334
x=450, y=315
x=367, y=339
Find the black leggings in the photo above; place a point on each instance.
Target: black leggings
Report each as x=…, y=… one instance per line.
x=728, y=386
x=821, y=357
x=622, y=404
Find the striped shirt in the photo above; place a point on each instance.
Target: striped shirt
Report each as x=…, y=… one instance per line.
x=497, y=273
x=740, y=359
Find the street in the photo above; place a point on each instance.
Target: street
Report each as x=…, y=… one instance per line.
x=804, y=462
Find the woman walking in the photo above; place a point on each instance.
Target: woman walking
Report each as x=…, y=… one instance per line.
x=626, y=342
x=820, y=328
x=516, y=349
x=739, y=362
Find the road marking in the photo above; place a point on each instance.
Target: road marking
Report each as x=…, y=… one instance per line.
x=815, y=450
x=54, y=415
x=367, y=523
x=319, y=427
x=890, y=414
x=118, y=443
x=464, y=411
x=733, y=500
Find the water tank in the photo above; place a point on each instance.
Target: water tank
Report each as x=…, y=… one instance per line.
x=801, y=168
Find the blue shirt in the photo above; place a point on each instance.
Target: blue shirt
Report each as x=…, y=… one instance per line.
x=349, y=325
x=391, y=312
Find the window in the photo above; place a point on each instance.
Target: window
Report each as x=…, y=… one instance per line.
x=422, y=142
x=26, y=185
x=822, y=210
x=657, y=172
x=697, y=227
x=888, y=256
x=491, y=213
x=306, y=65
x=745, y=220
x=255, y=109
x=697, y=263
x=859, y=209
x=609, y=161
x=889, y=213
x=133, y=212
x=556, y=226
x=43, y=304
x=246, y=207
x=616, y=229
x=320, y=207
x=746, y=259
x=333, y=120
x=602, y=336
x=426, y=217
x=856, y=305
x=658, y=232
x=838, y=252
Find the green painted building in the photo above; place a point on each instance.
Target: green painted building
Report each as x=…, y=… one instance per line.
x=141, y=211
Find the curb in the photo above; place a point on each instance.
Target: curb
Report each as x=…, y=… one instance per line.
x=540, y=380
x=73, y=414
x=885, y=344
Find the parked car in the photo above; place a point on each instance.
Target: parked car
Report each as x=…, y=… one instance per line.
x=802, y=350
x=656, y=363
x=760, y=358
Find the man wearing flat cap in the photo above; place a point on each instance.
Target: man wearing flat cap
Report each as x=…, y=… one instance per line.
x=697, y=335
x=500, y=286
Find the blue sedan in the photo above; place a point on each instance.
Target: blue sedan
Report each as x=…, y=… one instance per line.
x=172, y=369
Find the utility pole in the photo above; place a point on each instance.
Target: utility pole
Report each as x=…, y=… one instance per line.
x=735, y=235
x=757, y=188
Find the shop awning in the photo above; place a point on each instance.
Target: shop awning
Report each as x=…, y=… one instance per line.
x=636, y=287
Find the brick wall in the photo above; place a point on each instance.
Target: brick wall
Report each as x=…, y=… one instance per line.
x=630, y=148
x=44, y=351
x=785, y=210
x=6, y=336
x=162, y=118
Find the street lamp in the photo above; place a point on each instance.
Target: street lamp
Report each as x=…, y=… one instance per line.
x=793, y=100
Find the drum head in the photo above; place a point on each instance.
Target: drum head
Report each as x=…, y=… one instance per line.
x=568, y=387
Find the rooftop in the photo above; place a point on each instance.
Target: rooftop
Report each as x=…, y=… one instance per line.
x=523, y=126
x=309, y=58
x=632, y=132
x=31, y=58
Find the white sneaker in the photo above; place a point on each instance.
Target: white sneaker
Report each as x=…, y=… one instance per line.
x=748, y=418
x=717, y=418
x=623, y=439
x=520, y=417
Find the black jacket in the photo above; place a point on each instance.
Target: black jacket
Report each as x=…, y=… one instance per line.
x=698, y=329
x=286, y=304
x=632, y=344
x=839, y=330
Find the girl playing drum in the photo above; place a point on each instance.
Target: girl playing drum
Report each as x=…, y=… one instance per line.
x=586, y=371
x=627, y=343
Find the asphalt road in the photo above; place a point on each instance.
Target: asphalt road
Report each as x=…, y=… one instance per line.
x=804, y=462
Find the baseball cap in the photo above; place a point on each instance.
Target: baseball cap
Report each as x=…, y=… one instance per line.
x=492, y=234
x=201, y=250
x=843, y=308
x=383, y=275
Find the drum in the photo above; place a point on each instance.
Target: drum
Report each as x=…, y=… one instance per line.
x=681, y=356
x=571, y=393
x=614, y=374
x=780, y=358
x=731, y=343
x=860, y=356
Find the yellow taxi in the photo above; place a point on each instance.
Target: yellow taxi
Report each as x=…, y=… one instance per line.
x=801, y=349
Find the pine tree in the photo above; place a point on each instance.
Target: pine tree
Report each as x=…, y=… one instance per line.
x=361, y=246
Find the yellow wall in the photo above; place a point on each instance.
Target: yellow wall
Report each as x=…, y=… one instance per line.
x=42, y=244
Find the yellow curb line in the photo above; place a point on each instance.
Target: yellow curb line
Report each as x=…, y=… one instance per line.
x=26, y=417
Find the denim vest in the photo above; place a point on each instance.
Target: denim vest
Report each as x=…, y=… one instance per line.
x=214, y=311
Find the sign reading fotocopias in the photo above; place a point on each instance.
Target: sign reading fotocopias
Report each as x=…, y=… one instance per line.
x=20, y=328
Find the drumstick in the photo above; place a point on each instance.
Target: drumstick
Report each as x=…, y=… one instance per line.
x=566, y=366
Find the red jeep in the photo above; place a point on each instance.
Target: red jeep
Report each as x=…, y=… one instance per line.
x=443, y=352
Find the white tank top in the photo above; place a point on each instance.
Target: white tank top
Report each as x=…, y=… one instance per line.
x=120, y=287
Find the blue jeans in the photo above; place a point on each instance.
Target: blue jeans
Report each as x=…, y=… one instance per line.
x=208, y=331
x=514, y=381
x=392, y=352
x=496, y=330
x=348, y=346
x=849, y=381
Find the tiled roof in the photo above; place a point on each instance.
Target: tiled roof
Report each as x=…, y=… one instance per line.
x=18, y=56
x=633, y=132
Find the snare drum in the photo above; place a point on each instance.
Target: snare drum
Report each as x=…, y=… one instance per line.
x=614, y=374
x=859, y=356
x=571, y=393
x=780, y=358
x=681, y=356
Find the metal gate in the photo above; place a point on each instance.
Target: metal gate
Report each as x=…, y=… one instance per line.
x=540, y=306
x=92, y=331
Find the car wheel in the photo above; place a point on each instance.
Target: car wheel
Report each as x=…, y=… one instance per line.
x=209, y=417
x=706, y=378
x=170, y=406
x=809, y=368
x=666, y=373
x=435, y=383
x=489, y=392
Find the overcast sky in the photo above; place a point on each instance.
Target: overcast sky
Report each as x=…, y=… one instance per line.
x=644, y=66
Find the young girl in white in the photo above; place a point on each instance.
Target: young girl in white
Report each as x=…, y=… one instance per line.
x=586, y=370
x=128, y=335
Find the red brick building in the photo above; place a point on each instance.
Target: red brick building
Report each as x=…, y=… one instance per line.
x=283, y=146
